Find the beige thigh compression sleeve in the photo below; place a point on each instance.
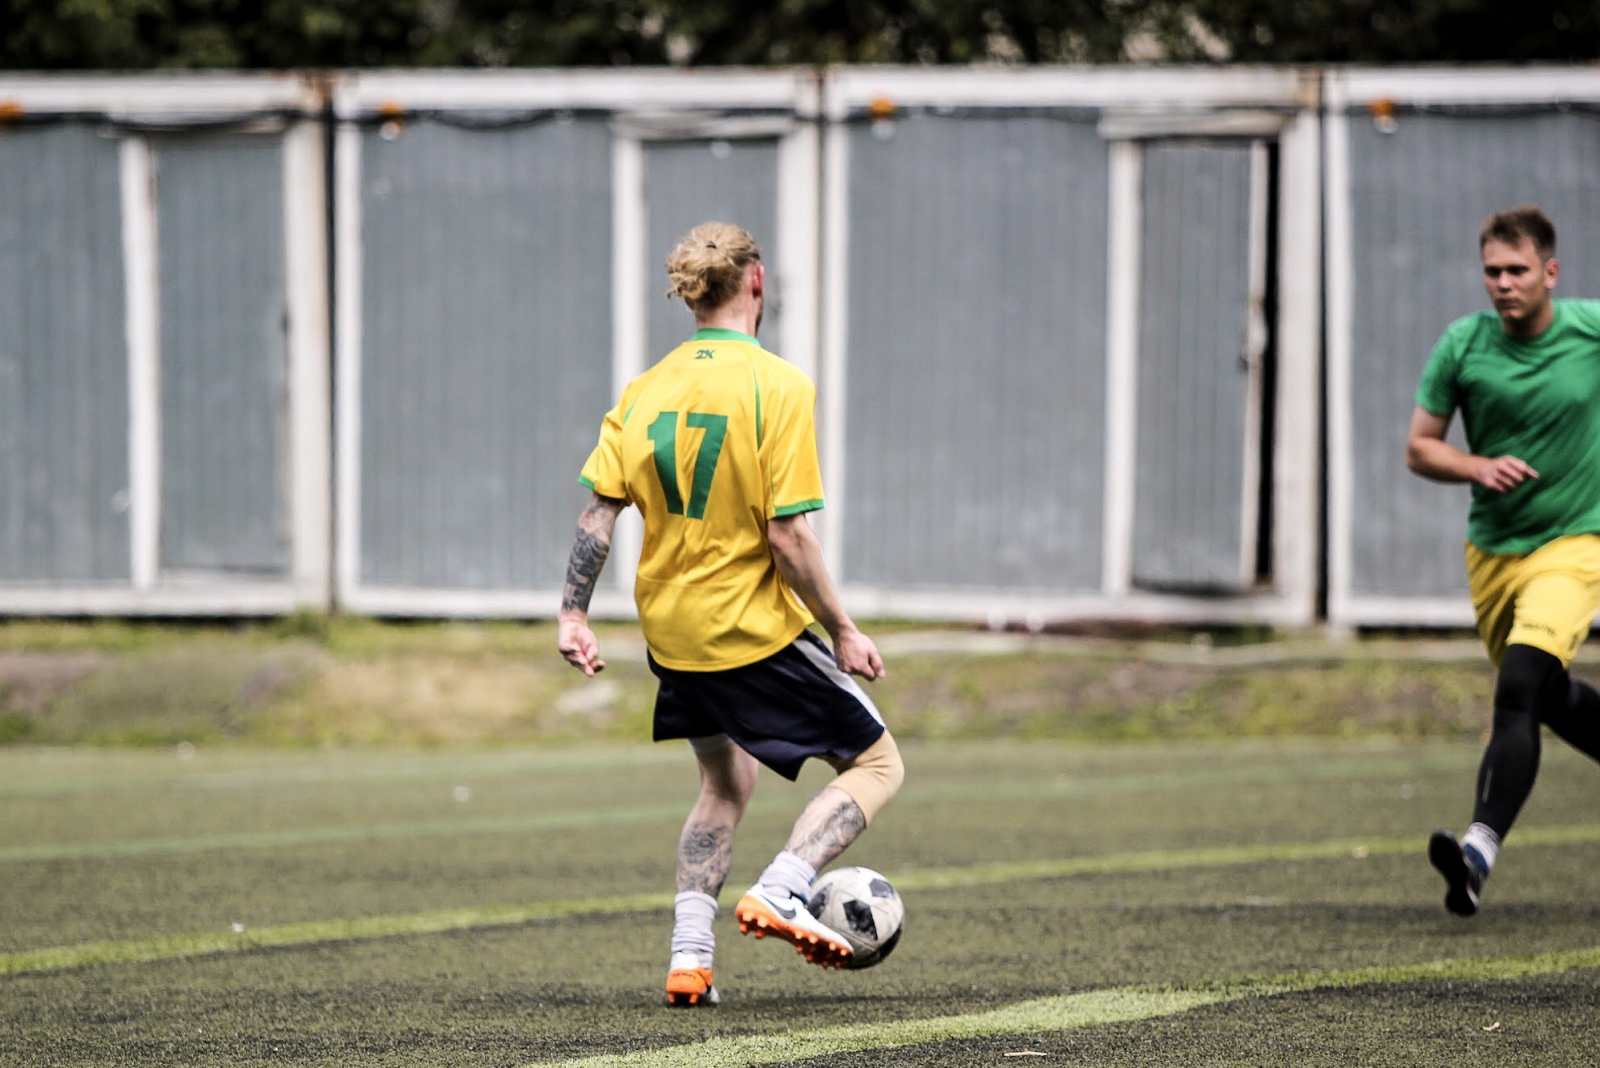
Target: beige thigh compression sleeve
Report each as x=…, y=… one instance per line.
x=873, y=777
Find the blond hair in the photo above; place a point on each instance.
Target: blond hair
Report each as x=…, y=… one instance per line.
x=707, y=268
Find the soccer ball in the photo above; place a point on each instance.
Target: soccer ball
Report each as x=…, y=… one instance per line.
x=861, y=905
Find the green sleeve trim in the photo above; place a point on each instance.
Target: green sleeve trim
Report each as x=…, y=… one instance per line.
x=629, y=411
x=717, y=333
x=796, y=509
x=583, y=480
x=756, y=380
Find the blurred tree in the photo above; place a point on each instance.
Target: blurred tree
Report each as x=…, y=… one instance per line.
x=1388, y=31
x=78, y=33
x=141, y=34
x=102, y=34
x=901, y=31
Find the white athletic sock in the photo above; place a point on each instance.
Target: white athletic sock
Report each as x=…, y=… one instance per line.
x=790, y=874
x=692, y=913
x=1484, y=842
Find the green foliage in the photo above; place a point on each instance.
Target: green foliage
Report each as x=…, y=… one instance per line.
x=15, y=727
x=900, y=31
x=277, y=34
x=1400, y=31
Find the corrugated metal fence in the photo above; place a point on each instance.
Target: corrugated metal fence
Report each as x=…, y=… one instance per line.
x=270, y=343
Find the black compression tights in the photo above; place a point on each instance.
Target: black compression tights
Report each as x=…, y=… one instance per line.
x=1532, y=687
x=1576, y=720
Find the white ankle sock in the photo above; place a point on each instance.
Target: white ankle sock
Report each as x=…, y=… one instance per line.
x=789, y=873
x=1484, y=842
x=692, y=913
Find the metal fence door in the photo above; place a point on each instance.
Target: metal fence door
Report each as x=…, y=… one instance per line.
x=694, y=181
x=63, y=358
x=1201, y=341
x=975, y=390
x=223, y=354
x=1420, y=191
x=484, y=348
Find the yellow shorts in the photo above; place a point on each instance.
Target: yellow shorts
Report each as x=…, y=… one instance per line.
x=1546, y=598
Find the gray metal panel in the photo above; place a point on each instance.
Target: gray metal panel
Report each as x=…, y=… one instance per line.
x=223, y=353
x=1418, y=197
x=63, y=358
x=1194, y=313
x=976, y=383
x=486, y=354
x=690, y=182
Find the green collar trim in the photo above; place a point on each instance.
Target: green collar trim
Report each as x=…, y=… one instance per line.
x=717, y=333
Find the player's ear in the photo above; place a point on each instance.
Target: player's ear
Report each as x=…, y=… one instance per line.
x=758, y=279
x=1552, y=271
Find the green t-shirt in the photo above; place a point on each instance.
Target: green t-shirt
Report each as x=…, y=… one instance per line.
x=1537, y=400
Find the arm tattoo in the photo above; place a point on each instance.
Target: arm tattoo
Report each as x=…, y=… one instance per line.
x=818, y=841
x=583, y=570
x=590, y=548
x=705, y=853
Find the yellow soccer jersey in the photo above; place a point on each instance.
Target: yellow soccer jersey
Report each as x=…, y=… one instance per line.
x=710, y=443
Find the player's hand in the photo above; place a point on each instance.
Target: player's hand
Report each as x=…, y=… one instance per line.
x=856, y=655
x=1502, y=473
x=579, y=645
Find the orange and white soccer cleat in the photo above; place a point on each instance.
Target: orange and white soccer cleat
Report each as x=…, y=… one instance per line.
x=689, y=986
x=765, y=914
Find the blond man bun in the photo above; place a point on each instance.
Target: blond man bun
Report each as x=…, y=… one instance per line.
x=707, y=267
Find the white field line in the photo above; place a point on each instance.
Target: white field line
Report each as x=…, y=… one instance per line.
x=1067, y=1012
x=172, y=947
x=80, y=774
x=1089, y=786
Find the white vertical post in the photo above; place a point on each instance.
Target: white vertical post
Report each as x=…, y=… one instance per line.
x=1297, y=478
x=347, y=372
x=1339, y=315
x=1122, y=365
x=834, y=370
x=629, y=318
x=798, y=157
x=1255, y=350
x=141, y=266
x=310, y=442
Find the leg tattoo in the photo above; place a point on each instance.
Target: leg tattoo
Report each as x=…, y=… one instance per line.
x=705, y=852
x=826, y=828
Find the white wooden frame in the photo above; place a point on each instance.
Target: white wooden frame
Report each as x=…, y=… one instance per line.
x=1346, y=90
x=1138, y=102
x=644, y=104
x=1122, y=318
x=181, y=99
x=813, y=226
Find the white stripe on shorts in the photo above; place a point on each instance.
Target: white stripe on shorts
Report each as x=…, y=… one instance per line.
x=709, y=743
x=826, y=664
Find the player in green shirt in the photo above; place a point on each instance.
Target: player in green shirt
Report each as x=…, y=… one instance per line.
x=1526, y=379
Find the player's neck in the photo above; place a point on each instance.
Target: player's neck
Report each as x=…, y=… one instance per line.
x=740, y=315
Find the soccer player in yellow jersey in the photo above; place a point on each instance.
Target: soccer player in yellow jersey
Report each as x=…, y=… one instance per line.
x=716, y=447
x=1526, y=378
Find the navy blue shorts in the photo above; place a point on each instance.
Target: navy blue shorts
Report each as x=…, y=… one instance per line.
x=793, y=705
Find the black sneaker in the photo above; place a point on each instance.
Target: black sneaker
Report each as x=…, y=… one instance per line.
x=1464, y=878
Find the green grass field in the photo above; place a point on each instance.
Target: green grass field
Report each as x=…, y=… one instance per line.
x=1194, y=903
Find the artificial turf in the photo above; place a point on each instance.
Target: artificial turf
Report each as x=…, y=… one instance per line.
x=1031, y=872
